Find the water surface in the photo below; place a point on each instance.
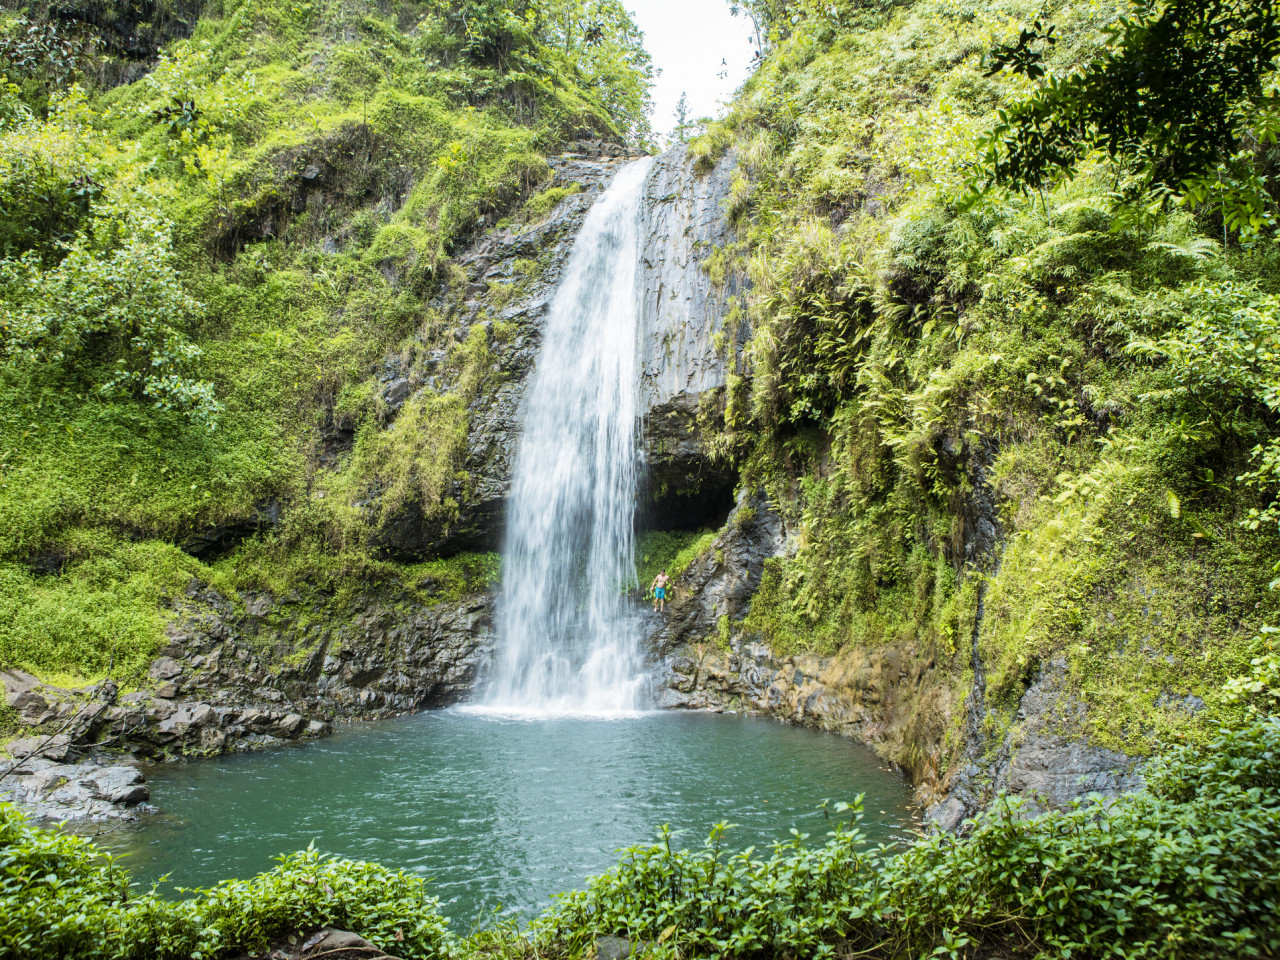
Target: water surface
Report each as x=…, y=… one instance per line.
x=501, y=813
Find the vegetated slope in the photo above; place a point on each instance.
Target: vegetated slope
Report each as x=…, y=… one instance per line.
x=1008, y=435
x=204, y=269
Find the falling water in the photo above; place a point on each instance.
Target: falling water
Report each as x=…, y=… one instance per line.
x=566, y=643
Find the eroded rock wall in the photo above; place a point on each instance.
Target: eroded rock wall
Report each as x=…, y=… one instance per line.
x=682, y=309
x=236, y=677
x=921, y=709
x=690, y=340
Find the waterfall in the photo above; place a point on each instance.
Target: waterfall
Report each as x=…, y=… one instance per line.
x=565, y=641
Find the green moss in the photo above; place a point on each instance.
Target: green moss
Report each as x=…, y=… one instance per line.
x=905, y=353
x=101, y=613
x=542, y=204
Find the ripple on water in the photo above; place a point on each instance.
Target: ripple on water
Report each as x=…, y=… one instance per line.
x=501, y=812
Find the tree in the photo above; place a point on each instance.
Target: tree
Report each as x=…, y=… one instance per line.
x=597, y=39
x=603, y=43
x=1177, y=94
x=680, y=134
x=53, y=52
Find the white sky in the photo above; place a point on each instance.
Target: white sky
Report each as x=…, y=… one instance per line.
x=688, y=39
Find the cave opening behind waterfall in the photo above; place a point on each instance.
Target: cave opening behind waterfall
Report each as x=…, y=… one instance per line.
x=697, y=503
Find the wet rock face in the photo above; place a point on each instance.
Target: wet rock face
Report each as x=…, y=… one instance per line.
x=161, y=723
x=722, y=581
x=131, y=34
x=682, y=489
x=497, y=262
x=1044, y=758
x=891, y=697
x=374, y=659
x=686, y=349
x=681, y=309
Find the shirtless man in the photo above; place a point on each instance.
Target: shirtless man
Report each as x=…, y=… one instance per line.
x=659, y=588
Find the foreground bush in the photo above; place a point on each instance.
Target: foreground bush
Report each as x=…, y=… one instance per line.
x=1184, y=869
x=62, y=899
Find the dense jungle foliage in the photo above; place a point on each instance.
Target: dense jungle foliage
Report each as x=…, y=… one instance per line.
x=205, y=269
x=1021, y=369
x=1183, y=869
x=1019, y=402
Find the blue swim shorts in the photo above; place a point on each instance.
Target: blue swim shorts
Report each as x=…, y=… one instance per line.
x=659, y=593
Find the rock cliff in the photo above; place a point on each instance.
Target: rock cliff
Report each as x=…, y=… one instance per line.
x=686, y=346
x=898, y=696
x=523, y=262
x=683, y=310
x=235, y=678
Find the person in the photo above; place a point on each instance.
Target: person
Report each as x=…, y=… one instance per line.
x=659, y=588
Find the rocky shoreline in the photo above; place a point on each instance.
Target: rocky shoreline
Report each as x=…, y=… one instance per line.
x=221, y=686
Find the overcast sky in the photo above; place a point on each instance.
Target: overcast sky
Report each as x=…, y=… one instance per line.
x=692, y=42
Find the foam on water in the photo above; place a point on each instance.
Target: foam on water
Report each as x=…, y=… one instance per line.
x=567, y=645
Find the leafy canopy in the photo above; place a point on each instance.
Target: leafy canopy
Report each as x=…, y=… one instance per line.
x=1178, y=90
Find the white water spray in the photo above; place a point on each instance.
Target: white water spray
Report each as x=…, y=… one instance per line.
x=566, y=643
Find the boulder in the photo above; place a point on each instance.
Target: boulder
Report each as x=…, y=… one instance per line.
x=289, y=726
x=49, y=790
x=613, y=948
x=118, y=784
x=334, y=944
x=57, y=747
x=33, y=701
x=165, y=668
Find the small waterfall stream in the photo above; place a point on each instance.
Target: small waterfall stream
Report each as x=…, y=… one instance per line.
x=565, y=642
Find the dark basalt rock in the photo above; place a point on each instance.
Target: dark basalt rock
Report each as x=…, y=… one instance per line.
x=131, y=34
x=51, y=790
x=1045, y=757
x=221, y=538
x=722, y=581
x=372, y=658
x=682, y=311
x=327, y=942
x=220, y=688
x=683, y=489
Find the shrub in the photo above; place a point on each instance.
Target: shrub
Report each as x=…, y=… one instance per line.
x=126, y=303
x=62, y=899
